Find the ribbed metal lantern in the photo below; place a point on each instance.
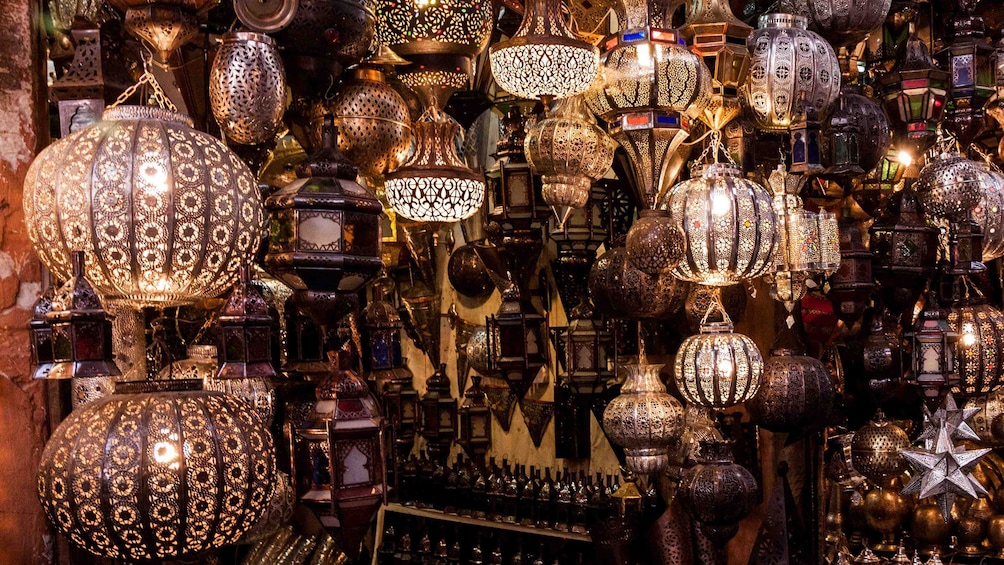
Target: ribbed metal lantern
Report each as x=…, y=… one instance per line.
x=619, y=290
x=718, y=368
x=157, y=475
x=796, y=392
x=643, y=419
x=875, y=450
x=979, y=352
x=841, y=22
x=569, y=151
x=247, y=87
x=730, y=226
x=374, y=127
x=989, y=213
x=165, y=214
x=718, y=492
x=791, y=67
x=950, y=186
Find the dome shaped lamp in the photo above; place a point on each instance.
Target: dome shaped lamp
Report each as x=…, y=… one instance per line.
x=544, y=58
x=842, y=23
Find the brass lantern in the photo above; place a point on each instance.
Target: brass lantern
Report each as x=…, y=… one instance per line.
x=517, y=341
x=933, y=362
x=950, y=186
x=875, y=450
x=718, y=368
x=324, y=233
x=247, y=88
x=915, y=91
x=643, y=419
x=438, y=415
x=475, y=433
x=968, y=57
x=797, y=392
x=905, y=251
x=979, y=352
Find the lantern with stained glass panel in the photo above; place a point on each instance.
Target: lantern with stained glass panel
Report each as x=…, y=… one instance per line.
x=995, y=107
x=517, y=341
x=872, y=192
x=41, y=335
x=969, y=58
x=438, y=415
x=905, y=251
x=915, y=92
x=475, y=417
x=933, y=362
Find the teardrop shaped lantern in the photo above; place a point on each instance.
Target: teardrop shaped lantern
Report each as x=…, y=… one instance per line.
x=166, y=214
x=569, y=151
x=247, y=87
x=544, y=58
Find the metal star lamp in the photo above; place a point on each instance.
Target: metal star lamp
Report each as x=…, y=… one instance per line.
x=544, y=59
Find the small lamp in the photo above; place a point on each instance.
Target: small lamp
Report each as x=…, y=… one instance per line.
x=475, y=433
x=438, y=415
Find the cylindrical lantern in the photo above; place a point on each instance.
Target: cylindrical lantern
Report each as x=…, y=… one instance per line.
x=718, y=368
x=643, y=419
x=791, y=68
x=979, y=352
x=730, y=226
x=165, y=214
x=247, y=87
x=796, y=392
x=158, y=475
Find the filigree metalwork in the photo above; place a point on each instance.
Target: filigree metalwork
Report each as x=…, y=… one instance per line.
x=374, y=128
x=247, y=87
x=501, y=400
x=643, y=419
x=796, y=392
x=620, y=290
x=979, y=353
x=718, y=492
x=875, y=450
x=718, y=368
x=451, y=26
x=841, y=22
x=950, y=186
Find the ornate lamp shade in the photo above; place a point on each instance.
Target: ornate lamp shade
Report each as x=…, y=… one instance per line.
x=569, y=151
x=643, y=419
x=843, y=24
x=338, y=30
x=979, y=352
x=435, y=185
x=164, y=25
x=875, y=450
x=373, y=123
x=905, y=251
x=544, y=58
x=950, y=186
x=856, y=136
x=968, y=56
x=324, y=233
x=165, y=214
x=989, y=213
x=620, y=290
x=247, y=87
x=717, y=492
x=730, y=226
x=791, y=69
x=915, y=91
x=718, y=368
x=157, y=475
x=796, y=392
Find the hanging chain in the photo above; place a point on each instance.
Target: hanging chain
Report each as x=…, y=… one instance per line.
x=716, y=304
x=157, y=95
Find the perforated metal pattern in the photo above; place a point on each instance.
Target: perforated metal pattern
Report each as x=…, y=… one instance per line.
x=950, y=186
x=841, y=22
x=796, y=392
x=979, y=353
x=247, y=87
x=374, y=128
x=643, y=419
x=875, y=450
x=989, y=213
x=450, y=26
x=718, y=368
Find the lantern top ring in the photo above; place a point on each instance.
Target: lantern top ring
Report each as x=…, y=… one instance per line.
x=781, y=20
x=724, y=327
x=146, y=113
x=543, y=40
x=247, y=36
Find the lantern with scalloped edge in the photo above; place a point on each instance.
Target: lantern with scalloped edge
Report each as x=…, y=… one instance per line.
x=643, y=419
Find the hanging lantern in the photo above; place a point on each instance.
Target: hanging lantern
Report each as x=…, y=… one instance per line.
x=904, y=250
x=325, y=227
x=842, y=24
x=165, y=25
x=576, y=242
x=796, y=392
x=247, y=87
x=882, y=355
x=995, y=107
x=374, y=127
x=791, y=68
x=852, y=285
x=41, y=336
x=515, y=193
x=655, y=244
x=717, y=492
x=856, y=135
x=718, y=368
x=166, y=214
x=569, y=151
x=933, y=362
x=988, y=422
x=619, y=290
x=435, y=185
x=730, y=226
x=200, y=363
x=915, y=91
x=650, y=89
x=968, y=57
x=979, y=351
x=875, y=450
x=544, y=58
x=475, y=432
x=806, y=145
x=79, y=92
x=64, y=12
x=438, y=415
x=950, y=186
x=643, y=419
x=305, y=344
x=700, y=298
x=589, y=350
x=157, y=475
x=389, y=370
x=989, y=213
x=872, y=193
x=517, y=341
x=438, y=38
x=477, y=352
x=715, y=35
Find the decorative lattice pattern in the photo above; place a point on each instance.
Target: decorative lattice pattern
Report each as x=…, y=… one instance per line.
x=535, y=69
x=718, y=368
x=449, y=26
x=374, y=129
x=643, y=419
x=979, y=353
x=247, y=87
x=950, y=186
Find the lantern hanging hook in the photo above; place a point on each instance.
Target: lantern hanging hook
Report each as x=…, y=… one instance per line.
x=157, y=94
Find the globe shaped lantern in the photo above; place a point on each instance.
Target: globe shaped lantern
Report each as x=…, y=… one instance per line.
x=950, y=187
x=544, y=58
x=435, y=185
x=989, y=213
x=569, y=151
x=157, y=475
x=979, y=352
x=729, y=223
x=717, y=491
x=856, y=135
x=165, y=214
x=718, y=368
x=796, y=392
x=619, y=290
x=791, y=68
x=842, y=23
x=247, y=87
x=643, y=419
x=875, y=450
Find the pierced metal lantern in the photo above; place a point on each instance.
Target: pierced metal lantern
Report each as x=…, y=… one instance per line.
x=247, y=87
x=718, y=368
x=544, y=58
x=41, y=335
x=655, y=243
x=165, y=214
x=339, y=31
x=717, y=492
x=851, y=286
x=989, y=213
x=979, y=352
x=475, y=432
x=719, y=38
x=619, y=290
x=324, y=233
x=875, y=450
x=791, y=68
x=157, y=475
x=374, y=127
x=165, y=25
x=643, y=419
x=796, y=392
x=842, y=23
x=933, y=365
x=968, y=57
x=873, y=191
x=730, y=226
x=856, y=135
x=517, y=341
x=950, y=186
x=438, y=415
x=569, y=151
x=905, y=251
x=915, y=91
x=435, y=185
x=201, y=363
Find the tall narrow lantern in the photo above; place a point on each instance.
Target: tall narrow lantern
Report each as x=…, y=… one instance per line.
x=438, y=415
x=475, y=433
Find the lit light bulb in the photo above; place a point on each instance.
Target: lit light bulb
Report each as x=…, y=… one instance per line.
x=165, y=452
x=905, y=158
x=725, y=367
x=720, y=203
x=968, y=335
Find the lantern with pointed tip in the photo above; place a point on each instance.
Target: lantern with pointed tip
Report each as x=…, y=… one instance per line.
x=475, y=433
x=968, y=57
x=933, y=363
x=915, y=91
x=438, y=415
x=165, y=25
x=576, y=242
x=517, y=341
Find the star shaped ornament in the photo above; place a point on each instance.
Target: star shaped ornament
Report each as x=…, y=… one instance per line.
x=953, y=418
